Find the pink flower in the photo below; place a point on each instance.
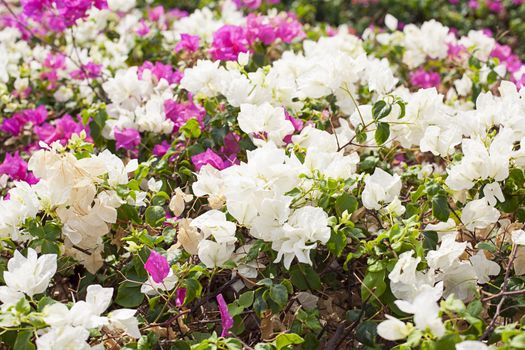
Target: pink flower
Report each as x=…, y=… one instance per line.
x=156, y=13
x=297, y=125
x=495, y=5
x=58, y=15
x=161, y=149
x=181, y=295
x=231, y=145
x=423, y=79
x=62, y=130
x=208, y=157
x=161, y=71
x=142, y=29
x=90, y=70
x=16, y=168
x=15, y=124
x=157, y=266
x=188, y=43
x=180, y=113
x=289, y=28
x=226, y=318
x=127, y=138
x=251, y=4
x=228, y=42
x=12, y=125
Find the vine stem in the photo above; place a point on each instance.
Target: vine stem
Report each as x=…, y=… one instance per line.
x=504, y=287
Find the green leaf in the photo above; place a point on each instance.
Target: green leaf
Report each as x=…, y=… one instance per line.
x=430, y=240
x=380, y=110
x=279, y=294
x=382, y=133
x=23, y=341
x=304, y=277
x=440, y=208
x=374, y=282
x=402, y=106
x=345, y=202
x=155, y=215
x=193, y=289
x=129, y=295
x=474, y=308
x=366, y=333
x=337, y=242
x=191, y=129
x=180, y=345
x=518, y=341
x=246, y=299
x=42, y=303
x=283, y=341
x=23, y=306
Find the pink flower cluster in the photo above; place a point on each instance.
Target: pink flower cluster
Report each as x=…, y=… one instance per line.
x=188, y=43
x=423, y=79
x=61, y=130
x=230, y=40
x=253, y=4
x=511, y=61
x=57, y=15
x=16, y=168
x=208, y=157
x=52, y=65
x=127, y=138
x=180, y=113
x=268, y=29
x=87, y=71
x=161, y=71
x=16, y=123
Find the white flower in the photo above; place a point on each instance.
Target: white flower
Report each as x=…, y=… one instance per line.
x=479, y=43
x=484, y=267
x=125, y=319
x=154, y=186
x=121, y=5
x=459, y=279
x=442, y=228
x=395, y=207
x=243, y=59
x=265, y=119
x=64, y=338
x=464, y=85
x=204, y=78
x=214, y=223
x=30, y=275
x=306, y=225
x=493, y=193
x=150, y=287
x=178, y=201
x=380, y=187
x=518, y=237
x=479, y=214
x=391, y=22
x=440, y=142
x=393, y=329
x=213, y=254
x=471, y=345
x=482, y=163
x=425, y=309
x=447, y=253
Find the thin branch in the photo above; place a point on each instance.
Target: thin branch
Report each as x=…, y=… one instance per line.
x=504, y=287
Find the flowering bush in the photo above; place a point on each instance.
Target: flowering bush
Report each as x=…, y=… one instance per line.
x=233, y=178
